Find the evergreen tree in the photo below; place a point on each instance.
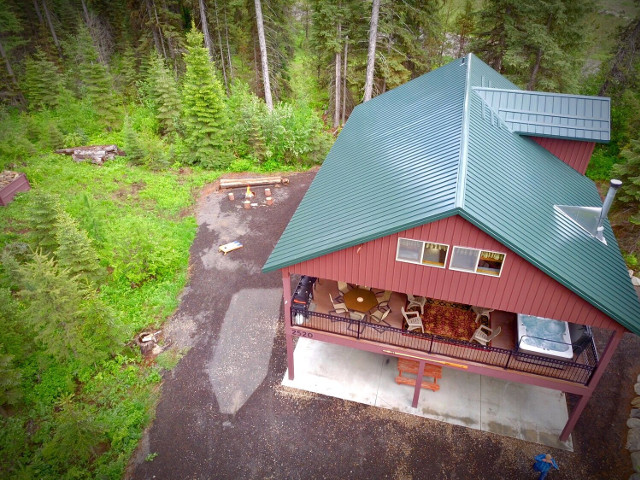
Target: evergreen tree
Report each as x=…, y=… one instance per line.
x=42, y=83
x=76, y=435
x=93, y=79
x=164, y=90
x=10, y=393
x=70, y=321
x=629, y=173
x=75, y=252
x=204, y=110
x=132, y=145
x=43, y=217
x=497, y=24
x=538, y=45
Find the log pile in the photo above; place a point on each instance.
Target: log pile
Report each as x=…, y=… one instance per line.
x=97, y=154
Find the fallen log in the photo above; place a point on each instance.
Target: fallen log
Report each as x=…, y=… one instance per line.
x=96, y=153
x=252, y=182
x=91, y=148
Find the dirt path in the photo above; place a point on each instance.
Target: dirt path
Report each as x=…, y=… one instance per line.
x=224, y=414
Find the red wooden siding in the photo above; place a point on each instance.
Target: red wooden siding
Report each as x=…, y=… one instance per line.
x=574, y=153
x=521, y=288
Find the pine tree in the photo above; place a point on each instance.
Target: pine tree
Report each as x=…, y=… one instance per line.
x=164, y=90
x=132, y=145
x=496, y=26
x=75, y=252
x=42, y=83
x=76, y=434
x=94, y=80
x=69, y=319
x=10, y=375
x=537, y=45
x=629, y=173
x=43, y=218
x=204, y=110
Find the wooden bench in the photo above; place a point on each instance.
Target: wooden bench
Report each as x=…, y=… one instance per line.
x=409, y=366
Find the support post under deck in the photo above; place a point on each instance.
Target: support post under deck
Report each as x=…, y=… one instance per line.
x=418, y=389
x=609, y=350
x=286, y=296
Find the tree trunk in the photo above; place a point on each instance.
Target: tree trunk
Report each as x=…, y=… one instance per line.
x=536, y=66
x=160, y=35
x=263, y=56
x=205, y=30
x=86, y=13
x=338, y=85
x=50, y=23
x=226, y=35
x=224, y=70
x=344, y=80
x=156, y=40
x=371, y=54
x=256, y=69
x=5, y=57
x=624, y=58
x=37, y=9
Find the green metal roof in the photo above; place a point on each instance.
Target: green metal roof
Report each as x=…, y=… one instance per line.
x=574, y=117
x=432, y=148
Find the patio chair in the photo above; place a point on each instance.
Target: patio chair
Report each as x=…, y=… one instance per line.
x=482, y=312
x=484, y=334
x=338, y=307
x=353, y=315
x=379, y=315
x=417, y=302
x=413, y=319
x=343, y=287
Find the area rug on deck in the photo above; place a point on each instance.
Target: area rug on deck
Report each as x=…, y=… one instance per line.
x=448, y=319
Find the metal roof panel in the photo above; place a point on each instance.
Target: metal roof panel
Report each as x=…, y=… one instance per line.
x=399, y=160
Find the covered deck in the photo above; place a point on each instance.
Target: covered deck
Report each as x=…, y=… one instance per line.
x=447, y=337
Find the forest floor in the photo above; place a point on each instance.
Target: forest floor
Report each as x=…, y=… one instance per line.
x=223, y=412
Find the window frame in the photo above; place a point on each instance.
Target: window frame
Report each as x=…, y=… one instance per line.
x=420, y=260
x=475, y=270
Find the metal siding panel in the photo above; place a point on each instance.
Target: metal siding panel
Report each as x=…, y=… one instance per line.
x=574, y=153
x=548, y=298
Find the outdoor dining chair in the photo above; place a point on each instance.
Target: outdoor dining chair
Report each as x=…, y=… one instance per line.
x=379, y=315
x=417, y=302
x=383, y=299
x=343, y=287
x=413, y=319
x=338, y=307
x=484, y=334
x=482, y=312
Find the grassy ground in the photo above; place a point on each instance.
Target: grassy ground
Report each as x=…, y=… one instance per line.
x=142, y=225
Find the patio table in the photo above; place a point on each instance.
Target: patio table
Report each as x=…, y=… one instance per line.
x=360, y=300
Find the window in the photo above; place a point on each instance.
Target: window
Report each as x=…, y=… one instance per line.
x=424, y=253
x=477, y=261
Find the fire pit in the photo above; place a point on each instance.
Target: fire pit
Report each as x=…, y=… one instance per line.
x=10, y=184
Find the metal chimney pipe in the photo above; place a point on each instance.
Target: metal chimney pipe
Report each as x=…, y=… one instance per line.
x=606, y=205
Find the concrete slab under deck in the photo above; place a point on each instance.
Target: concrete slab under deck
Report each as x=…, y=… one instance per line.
x=525, y=412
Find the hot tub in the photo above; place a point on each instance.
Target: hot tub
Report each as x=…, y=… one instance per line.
x=544, y=336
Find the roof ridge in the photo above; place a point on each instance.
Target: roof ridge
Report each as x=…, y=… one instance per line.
x=464, y=137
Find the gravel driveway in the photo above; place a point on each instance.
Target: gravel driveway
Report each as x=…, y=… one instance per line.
x=223, y=413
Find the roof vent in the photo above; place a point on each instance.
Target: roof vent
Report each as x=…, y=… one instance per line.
x=462, y=62
x=591, y=219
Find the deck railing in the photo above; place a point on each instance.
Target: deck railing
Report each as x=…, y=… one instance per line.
x=578, y=370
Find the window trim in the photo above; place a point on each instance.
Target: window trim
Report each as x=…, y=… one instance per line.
x=475, y=270
x=420, y=261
